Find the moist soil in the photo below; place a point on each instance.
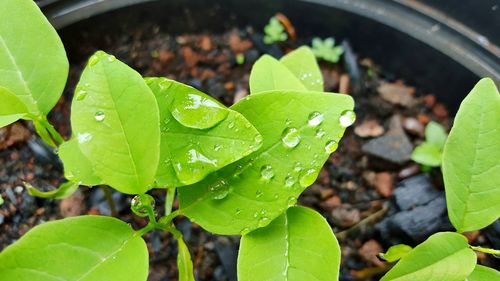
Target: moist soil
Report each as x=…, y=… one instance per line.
x=369, y=190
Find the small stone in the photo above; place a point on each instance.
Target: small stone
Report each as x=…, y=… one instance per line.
x=345, y=216
x=369, y=252
x=440, y=111
x=73, y=205
x=237, y=44
x=190, y=57
x=205, y=43
x=397, y=93
x=430, y=100
x=423, y=118
x=369, y=128
x=13, y=134
x=165, y=56
x=384, y=184
x=240, y=93
x=415, y=191
x=413, y=126
x=330, y=203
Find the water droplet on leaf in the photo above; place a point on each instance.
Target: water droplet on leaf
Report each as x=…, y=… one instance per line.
x=99, y=116
x=258, y=138
x=219, y=190
x=267, y=172
x=320, y=133
x=289, y=181
x=331, y=146
x=196, y=111
x=80, y=95
x=94, y=59
x=308, y=178
x=315, y=118
x=347, y=118
x=292, y=201
x=259, y=193
x=290, y=137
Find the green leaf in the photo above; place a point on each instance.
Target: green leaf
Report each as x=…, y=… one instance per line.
x=77, y=167
x=1, y=200
x=269, y=74
x=471, y=169
x=79, y=248
x=427, y=154
x=184, y=263
x=198, y=134
x=444, y=256
x=300, y=130
x=63, y=191
x=33, y=63
x=11, y=108
x=116, y=122
x=302, y=63
x=483, y=273
x=395, y=253
x=298, y=245
x=435, y=134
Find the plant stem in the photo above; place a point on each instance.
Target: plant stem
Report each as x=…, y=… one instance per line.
x=169, y=200
x=150, y=226
x=109, y=198
x=52, y=131
x=485, y=250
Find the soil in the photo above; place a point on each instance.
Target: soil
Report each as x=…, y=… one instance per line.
x=360, y=190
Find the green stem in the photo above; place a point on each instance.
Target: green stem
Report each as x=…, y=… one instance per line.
x=169, y=200
x=52, y=131
x=109, y=198
x=485, y=250
x=150, y=226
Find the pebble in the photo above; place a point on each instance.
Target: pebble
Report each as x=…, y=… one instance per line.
x=369, y=251
x=409, y=171
x=369, y=128
x=384, y=184
x=73, y=205
x=345, y=216
x=413, y=126
x=415, y=191
x=397, y=93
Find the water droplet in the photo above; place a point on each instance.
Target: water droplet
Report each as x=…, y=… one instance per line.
x=259, y=193
x=276, y=196
x=289, y=181
x=230, y=125
x=292, y=201
x=347, y=118
x=308, y=178
x=331, y=146
x=81, y=94
x=263, y=221
x=288, y=122
x=258, y=138
x=245, y=231
x=99, y=116
x=219, y=190
x=320, y=133
x=315, y=118
x=217, y=147
x=196, y=110
x=290, y=137
x=83, y=137
x=297, y=167
x=94, y=59
x=111, y=58
x=267, y=172
x=238, y=211
x=142, y=204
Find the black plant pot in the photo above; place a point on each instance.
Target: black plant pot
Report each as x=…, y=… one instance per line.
x=439, y=53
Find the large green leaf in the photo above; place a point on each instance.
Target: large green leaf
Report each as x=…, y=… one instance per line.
x=302, y=63
x=198, y=134
x=445, y=256
x=184, y=263
x=269, y=74
x=483, y=273
x=83, y=248
x=300, y=130
x=33, y=63
x=471, y=165
x=11, y=107
x=298, y=245
x=116, y=122
x=77, y=167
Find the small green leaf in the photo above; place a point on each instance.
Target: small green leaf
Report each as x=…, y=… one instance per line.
x=326, y=50
x=63, y=191
x=79, y=248
x=471, y=167
x=33, y=63
x=11, y=108
x=300, y=130
x=77, y=167
x=116, y=122
x=274, y=31
x=302, y=63
x=1, y=200
x=269, y=74
x=298, y=245
x=188, y=153
x=427, y=154
x=184, y=263
x=483, y=273
x=445, y=256
x=395, y=253
x=435, y=134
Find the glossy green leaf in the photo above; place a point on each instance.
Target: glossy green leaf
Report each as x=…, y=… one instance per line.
x=1, y=200
x=269, y=74
x=300, y=130
x=83, y=248
x=116, y=122
x=435, y=134
x=63, y=191
x=483, y=273
x=77, y=167
x=221, y=136
x=427, y=154
x=184, y=263
x=11, y=108
x=444, y=256
x=302, y=63
x=471, y=166
x=395, y=253
x=33, y=63
x=298, y=245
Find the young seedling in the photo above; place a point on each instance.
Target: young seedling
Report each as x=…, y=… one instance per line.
x=237, y=170
x=429, y=153
x=326, y=49
x=274, y=32
x=471, y=172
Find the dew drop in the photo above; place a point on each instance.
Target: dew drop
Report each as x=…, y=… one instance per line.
x=230, y=125
x=331, y=146
x=94, y=59
x=217, y=147
x=308, y=178
x=238, y=211
x=289, y=181
x=320, y=133
x=267, y=172
x=258, y=138
x=315, y=118
x=111, y=58
x=290, y=137
x=245, y=231
x=99, y=116
x=259, y=193
x=292, y=201
x=276, y=196
x=219, y=190
x=196, y=110
x=347, y=118
x=297, y=167
x=81, y=94
x=263, y=221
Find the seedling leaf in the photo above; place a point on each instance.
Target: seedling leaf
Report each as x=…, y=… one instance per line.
x=395, y=253
x=302, y=63
x=269, y=74
x=63, y=191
